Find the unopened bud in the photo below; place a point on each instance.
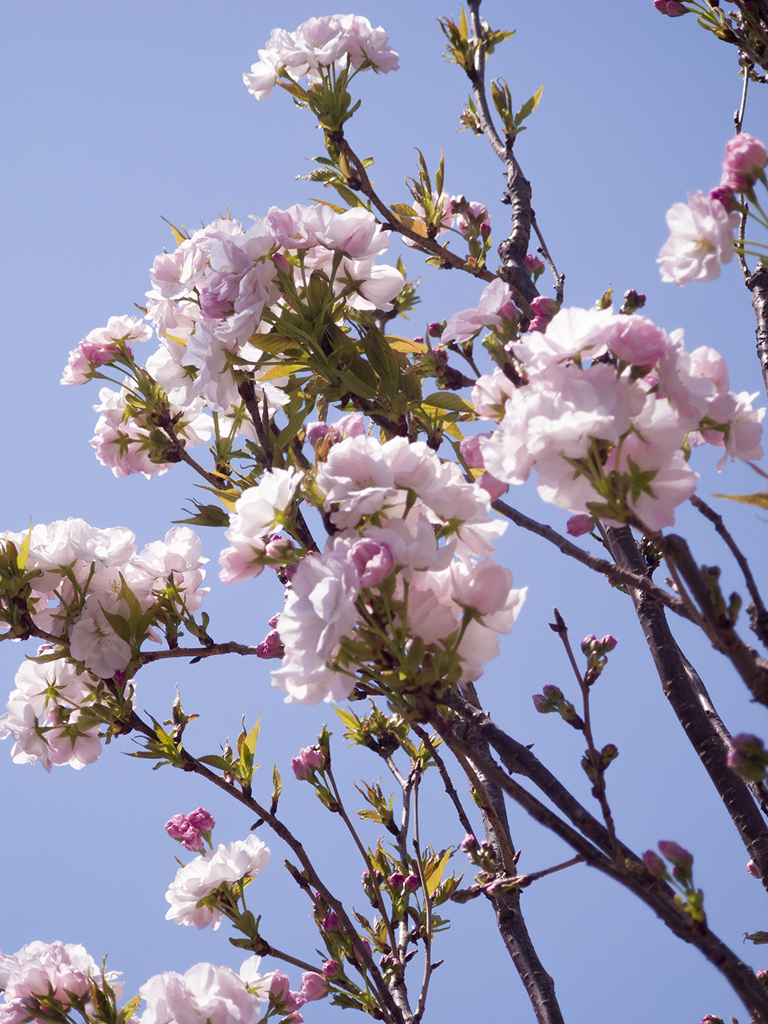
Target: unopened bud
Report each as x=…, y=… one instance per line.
x=655, y=864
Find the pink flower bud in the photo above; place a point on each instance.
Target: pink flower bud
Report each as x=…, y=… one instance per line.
x=752, y=869
x=396, y=880
x=201, y=820
x=435, y=330
x=748, y=757
x=310, y=759
x=331, y=922
x=542, y=705
x=374, y=561
x=608, y=643
x=533, y=264
x=469, y=843
x=271, y=646
x=655, y=864
x=671, y=8
x=281, y=263
x=544, y=310
x=411, y=884
x=724, y=196
x=470, y=451
x=745, y=158
x=315, y=432
x=177, y=827
x=676, y=855
x=330, y=969
x=579, y=525
x=313, y=986
x=192, y=841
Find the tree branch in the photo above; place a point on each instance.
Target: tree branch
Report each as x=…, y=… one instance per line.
x=617, y=573
x=694, y=709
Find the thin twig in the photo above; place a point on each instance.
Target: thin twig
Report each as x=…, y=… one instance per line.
x=717, y=521
x=196, y=653
x=447, y=782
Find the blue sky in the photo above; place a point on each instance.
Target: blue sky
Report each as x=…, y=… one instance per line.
x=118, y=114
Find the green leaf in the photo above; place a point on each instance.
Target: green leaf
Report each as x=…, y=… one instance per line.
x=207, y=515
x=347, y=718
x=403, y=210
x=405, y=344
x=435, y=875
x=217, y=761
x=450, y=401
x=250, y=741
x=277, y=784
x=528, y=107
x=283, y=370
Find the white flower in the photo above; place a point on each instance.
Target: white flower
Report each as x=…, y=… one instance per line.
x=93, y=641
x=701, y=239
x=204, y=995
x=240, y=860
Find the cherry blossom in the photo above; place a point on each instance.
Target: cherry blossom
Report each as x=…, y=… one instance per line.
x=701, y=239
x=241, y=860
x=203, y=995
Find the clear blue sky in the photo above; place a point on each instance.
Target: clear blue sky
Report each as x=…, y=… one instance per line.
x=116, y=114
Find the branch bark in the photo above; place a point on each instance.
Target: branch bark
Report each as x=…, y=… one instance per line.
x=694, y=709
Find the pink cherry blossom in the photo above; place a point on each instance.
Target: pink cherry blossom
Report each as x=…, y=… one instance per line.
x=745, y=158
x=206, y=873
x=701, y=239
x=462, y=327
x=204, y=995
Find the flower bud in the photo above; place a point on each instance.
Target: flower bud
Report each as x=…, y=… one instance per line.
x=201, y=820
x=745, y=158
x=330, y=969
x=396, y=880
x=309, y=760
x=579, y=525
x=724, y=196
x=315, y=432
x=435, y=330
x=533, y=265
x=331, y=922
x=313, y=986
x=676, y=854
x=469, y=844
x=671, y=8
x=271, y=646
x=751, y=867
x=411, y=884
x=177, y=827
x=655, y=864
x=748, y=757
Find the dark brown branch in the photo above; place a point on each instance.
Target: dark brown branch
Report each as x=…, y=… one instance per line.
x=694, y=709
x=539, y=985
x=751, y=667
x=617, y=573
x=231, y=647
